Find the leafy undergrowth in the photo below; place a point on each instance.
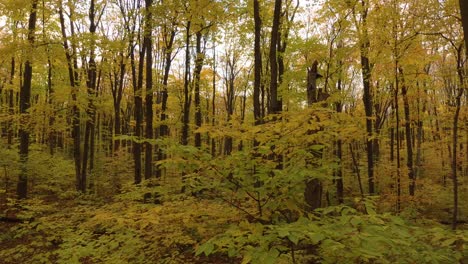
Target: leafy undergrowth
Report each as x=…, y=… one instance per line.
x=123, y=231
x=193, y=230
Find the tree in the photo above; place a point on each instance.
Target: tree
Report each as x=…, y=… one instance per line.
x=257, y=61
x=147, y=44
x=25, y=103
x=367, y=97
x=275, y=103
x=138, y=96
x=464, y=21
x=72, y=66
x=169, y=33
x=91, y=85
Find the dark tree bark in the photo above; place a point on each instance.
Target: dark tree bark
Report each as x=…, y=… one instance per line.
x=257, y=62
x=117, y=85
x=11, y=104
x=420, y=131
x=460, y=70
x=197, y=74
x=147, y=43
x=90, y=111
x=339, y=148
x=464, y=20
x=213, y=102
x=313, y=190
x=138, y=101
x=459, y=94
x=356, y=169
x=409, y=145
x=187, y=97
x=52, y=135
x=164, y=129
x=367, y=96
x=398, y=137
x=72, y=66
x=276, y=104
x=286, y=20
x=25, y=103
x=230, y=77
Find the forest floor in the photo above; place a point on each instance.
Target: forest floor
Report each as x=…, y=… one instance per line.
x=86, y=230
x=71, y=228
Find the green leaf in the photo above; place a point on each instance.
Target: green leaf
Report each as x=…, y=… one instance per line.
x=206, y=248
x=449, y=242
x=315, y=238
x=232, y=252
x=247, y=258
x=293, y=238
x=271, y=257
x=283, y=233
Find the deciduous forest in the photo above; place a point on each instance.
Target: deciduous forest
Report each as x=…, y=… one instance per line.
x=233, y=131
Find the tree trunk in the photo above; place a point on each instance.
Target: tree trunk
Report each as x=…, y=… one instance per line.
x=398, y=138
x=72, y=66
x=187, y=97
x=138, y=100
x=461, y=88
x=164, y=129
x=409, y=145
x=275, y=103
x=117, y=92
x=339, y=152
x=313, y=189
x=25, y=103
x=230, y=97
x=197, y=75
x=213, y=103
x=464, y=18
x=147, y=44
x=367, y=96
x=90, y=111
x=257, y=62
x=11, y=104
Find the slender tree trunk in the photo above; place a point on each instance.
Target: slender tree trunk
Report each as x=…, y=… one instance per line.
x=25, y=103
x=90, y=111
x=52, y=134
x=197, y=74
x=419, y=136
x=313, y=189
x=118, y=119
x=257, y=62
x=398, y=139
x=187, y=97
x=461, y=88
x=11, y=104
x=460, y=70
x=367, y=96
x=339, y=154
x=117, y=92
x=164, y=129
x=275, y=103
x=356, y=168
x=213, y=103
x=72, y=66
x=138, y=100
x=409, y=146
x=230, y=97
x=147, y=43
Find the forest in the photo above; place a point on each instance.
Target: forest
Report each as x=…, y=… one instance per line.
x=233, y=131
